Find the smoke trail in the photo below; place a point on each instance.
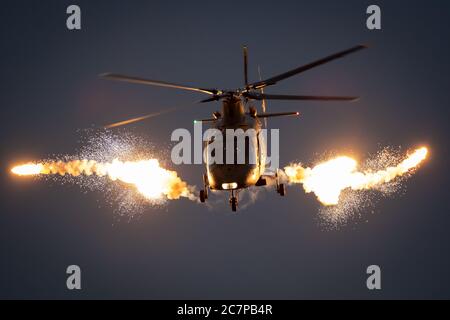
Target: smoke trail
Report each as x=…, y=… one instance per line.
x=328, y=179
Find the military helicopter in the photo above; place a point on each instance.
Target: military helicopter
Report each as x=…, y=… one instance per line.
x=238, y=112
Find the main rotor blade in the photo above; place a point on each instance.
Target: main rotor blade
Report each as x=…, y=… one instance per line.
x=273, y=80
x=289, y=97
x=119, y=77
x=206, y=120
x=137, y=119
x=246, y=66
x=213, y=98
x=278, y=114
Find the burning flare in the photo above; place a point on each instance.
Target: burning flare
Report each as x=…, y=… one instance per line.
x=27, y=169
x=329, y=178
x=149, y=178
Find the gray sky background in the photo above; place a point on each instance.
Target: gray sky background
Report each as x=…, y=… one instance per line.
x=273, y=249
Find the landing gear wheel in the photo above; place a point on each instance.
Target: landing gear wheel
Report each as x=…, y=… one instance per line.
x=233, y=202
x=205, y=185
x=281, y=189
x=202, y=196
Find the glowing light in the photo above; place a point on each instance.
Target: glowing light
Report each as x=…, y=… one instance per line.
x=27, y=169
x=328, y=179
x=229, y=186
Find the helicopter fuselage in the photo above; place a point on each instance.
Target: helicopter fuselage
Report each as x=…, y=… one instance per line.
x=233, y=175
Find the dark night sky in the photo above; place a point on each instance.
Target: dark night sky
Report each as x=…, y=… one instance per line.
x=276, y=247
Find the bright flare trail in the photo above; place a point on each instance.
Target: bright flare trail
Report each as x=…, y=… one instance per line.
x=147, y=176
x=328, y=179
